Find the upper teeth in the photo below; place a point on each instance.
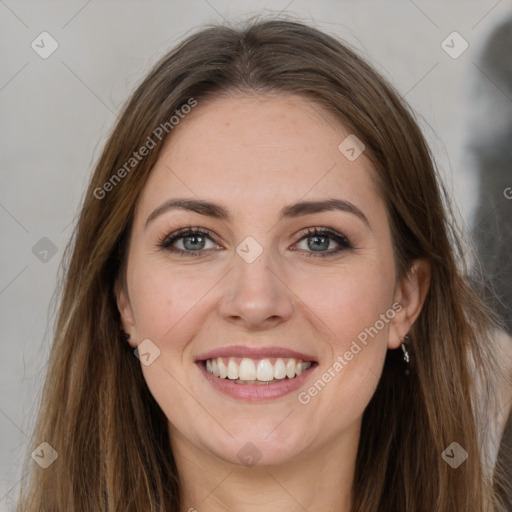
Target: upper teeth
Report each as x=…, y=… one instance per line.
x=261, y=369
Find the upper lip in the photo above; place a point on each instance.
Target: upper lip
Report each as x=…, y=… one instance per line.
x=254, y=353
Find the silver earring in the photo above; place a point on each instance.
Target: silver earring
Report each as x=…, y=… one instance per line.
x=406, y=357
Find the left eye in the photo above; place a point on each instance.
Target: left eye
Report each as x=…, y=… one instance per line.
x=318, y=241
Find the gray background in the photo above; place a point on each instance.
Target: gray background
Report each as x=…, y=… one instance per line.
x=57, y=112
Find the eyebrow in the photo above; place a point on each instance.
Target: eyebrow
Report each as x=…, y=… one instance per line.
x=217, y=211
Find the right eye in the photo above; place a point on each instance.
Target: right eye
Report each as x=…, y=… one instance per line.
x=193, y=241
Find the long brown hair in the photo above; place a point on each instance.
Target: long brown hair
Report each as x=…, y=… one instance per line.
x=96, y=410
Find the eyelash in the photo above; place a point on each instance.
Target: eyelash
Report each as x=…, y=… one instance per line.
x=167, y=241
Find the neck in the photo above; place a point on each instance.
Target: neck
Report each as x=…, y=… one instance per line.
x=314, y=482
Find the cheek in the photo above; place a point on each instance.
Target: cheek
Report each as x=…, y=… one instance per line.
x=348, y=301
x=164, y=300
x=167, y=306
x=355, y=309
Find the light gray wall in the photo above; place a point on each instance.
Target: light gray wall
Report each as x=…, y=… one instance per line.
x=56, y=114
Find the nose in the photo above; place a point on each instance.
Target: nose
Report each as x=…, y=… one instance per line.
x=256, y=296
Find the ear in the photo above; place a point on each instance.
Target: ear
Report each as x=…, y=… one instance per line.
x=410, y=293
x=126, y=312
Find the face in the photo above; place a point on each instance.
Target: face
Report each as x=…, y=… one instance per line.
x=269, y=276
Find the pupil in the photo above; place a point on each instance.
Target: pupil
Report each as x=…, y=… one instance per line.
x=324, y=245
x=195, y=238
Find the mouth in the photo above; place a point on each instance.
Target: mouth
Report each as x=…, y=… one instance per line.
x=255, y=374
x=256, y=371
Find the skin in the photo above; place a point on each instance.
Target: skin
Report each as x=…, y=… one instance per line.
x=254, y=155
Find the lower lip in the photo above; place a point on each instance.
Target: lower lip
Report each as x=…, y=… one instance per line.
x=256, y=392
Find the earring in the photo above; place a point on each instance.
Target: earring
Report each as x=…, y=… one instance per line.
x=127, y=336
x=406, y=357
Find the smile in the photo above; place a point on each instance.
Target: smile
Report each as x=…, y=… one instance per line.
x=244, y=370
x=253, y=374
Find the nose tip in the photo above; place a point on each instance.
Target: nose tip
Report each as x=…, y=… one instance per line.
x=255, y=295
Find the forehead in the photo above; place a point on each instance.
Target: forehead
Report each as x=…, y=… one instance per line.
x=259, y=150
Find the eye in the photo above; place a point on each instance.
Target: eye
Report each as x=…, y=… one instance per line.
x=318, y=240
x=193, y=240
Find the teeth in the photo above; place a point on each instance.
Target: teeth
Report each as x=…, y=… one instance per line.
x=223, y=371
x=215, y=368
x=261, y=370
x=301, y=368
x=247, y=369
x=232, y=369
x=290, y=368
x=265, y=370
x=279, y=369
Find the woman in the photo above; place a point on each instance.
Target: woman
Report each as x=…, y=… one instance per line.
x=264, y=306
